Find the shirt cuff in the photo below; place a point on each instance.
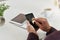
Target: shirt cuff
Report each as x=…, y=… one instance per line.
x=51, y=31
x=32, y=36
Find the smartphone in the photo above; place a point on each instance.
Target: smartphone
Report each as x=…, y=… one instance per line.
x=29, y=18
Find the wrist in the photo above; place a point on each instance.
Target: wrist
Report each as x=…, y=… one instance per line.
x=33, y=32
x=48, y=29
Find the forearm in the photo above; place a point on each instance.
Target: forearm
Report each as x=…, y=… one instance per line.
x=51, y=31
x=32, y=36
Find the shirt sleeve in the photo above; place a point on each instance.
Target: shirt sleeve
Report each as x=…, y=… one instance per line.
x=51, y=31
x=32, y=36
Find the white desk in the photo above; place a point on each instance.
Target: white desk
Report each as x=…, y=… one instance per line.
x=11, y=32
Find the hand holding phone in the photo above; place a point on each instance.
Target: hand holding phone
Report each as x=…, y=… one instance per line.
x=29, y=17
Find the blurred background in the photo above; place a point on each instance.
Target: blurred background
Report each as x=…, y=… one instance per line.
x=39, y=8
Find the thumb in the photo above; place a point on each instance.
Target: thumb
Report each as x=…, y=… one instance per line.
x=38, y=24
x=28, y=24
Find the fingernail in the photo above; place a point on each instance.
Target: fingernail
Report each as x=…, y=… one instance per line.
x=33, y=19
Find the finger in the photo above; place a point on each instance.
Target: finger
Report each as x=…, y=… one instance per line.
x=29, y=25
x=38, y=24
x=40, y=20
x=33, y=18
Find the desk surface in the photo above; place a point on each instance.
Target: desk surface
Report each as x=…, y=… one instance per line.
x=11, y=32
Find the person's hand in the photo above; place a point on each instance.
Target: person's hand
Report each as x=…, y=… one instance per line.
x=30, y=28
x=42, y=24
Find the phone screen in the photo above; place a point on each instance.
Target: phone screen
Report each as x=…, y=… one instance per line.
x=29, y=18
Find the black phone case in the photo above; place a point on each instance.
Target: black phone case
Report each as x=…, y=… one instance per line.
x=29, y=18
